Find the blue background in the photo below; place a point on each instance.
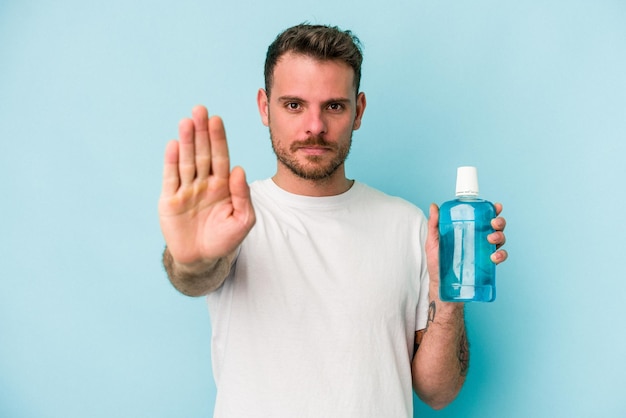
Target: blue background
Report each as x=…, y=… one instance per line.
x=533, y=93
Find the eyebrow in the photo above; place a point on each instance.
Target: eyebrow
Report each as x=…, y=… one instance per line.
x=342, y=100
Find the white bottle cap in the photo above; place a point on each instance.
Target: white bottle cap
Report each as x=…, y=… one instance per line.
x=466, y=181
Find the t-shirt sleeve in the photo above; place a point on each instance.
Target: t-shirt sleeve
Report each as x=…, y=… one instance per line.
x=421, y=313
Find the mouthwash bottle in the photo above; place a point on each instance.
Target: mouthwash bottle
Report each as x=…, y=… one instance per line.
x=466, y=271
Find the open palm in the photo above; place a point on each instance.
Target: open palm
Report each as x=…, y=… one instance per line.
x=205, y=210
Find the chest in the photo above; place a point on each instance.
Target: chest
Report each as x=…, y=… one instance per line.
x=335, y=265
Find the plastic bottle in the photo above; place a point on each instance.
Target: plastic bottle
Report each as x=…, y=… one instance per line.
x=465, y=267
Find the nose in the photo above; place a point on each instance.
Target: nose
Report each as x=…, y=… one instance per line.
x=315, y=123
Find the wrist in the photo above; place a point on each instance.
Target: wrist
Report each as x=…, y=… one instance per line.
x=446, y=308
x=199, y=277
x=195, y=267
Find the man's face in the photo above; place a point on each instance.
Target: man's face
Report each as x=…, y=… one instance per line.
x=311, y=113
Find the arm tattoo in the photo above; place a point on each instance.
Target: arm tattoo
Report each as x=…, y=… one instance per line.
x=432, y=310
x=200, y=283
x=464, y=352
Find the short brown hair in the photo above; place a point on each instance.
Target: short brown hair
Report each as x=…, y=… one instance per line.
x=317, y=41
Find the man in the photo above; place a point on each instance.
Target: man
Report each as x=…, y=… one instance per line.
x=323, y=292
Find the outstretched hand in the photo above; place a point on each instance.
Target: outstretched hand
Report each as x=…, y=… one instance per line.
x=205, y=210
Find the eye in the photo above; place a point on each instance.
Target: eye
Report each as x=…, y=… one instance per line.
x=335, y=107
x=292, y=105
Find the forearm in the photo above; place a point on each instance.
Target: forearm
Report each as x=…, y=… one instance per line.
x=441, y=361
x=197, y=279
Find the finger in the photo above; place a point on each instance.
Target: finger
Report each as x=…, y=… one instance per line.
x=171, y=179
x=499, y=256
x=498, y=238
x=202, y=146
x=220, y=161
x=498, y=207
x=498, y=223
x=186, y=158
x=240, y=195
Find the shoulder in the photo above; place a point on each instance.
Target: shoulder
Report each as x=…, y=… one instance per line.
x=258, y=186
x=387, y=202
x=261, y=190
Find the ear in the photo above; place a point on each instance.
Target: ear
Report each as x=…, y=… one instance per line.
x=361, y=102
x=262, y=102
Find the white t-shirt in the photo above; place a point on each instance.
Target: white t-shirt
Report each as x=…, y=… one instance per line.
x=318, y=315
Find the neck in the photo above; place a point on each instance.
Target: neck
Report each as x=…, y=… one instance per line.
x=333, y=185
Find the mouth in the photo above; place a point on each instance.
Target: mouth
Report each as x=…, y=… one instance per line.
x=313, y=146
x=314, y=150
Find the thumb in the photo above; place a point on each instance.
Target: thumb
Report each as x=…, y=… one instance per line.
x=433, y=225
x=240, y=195
x=432, y=243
